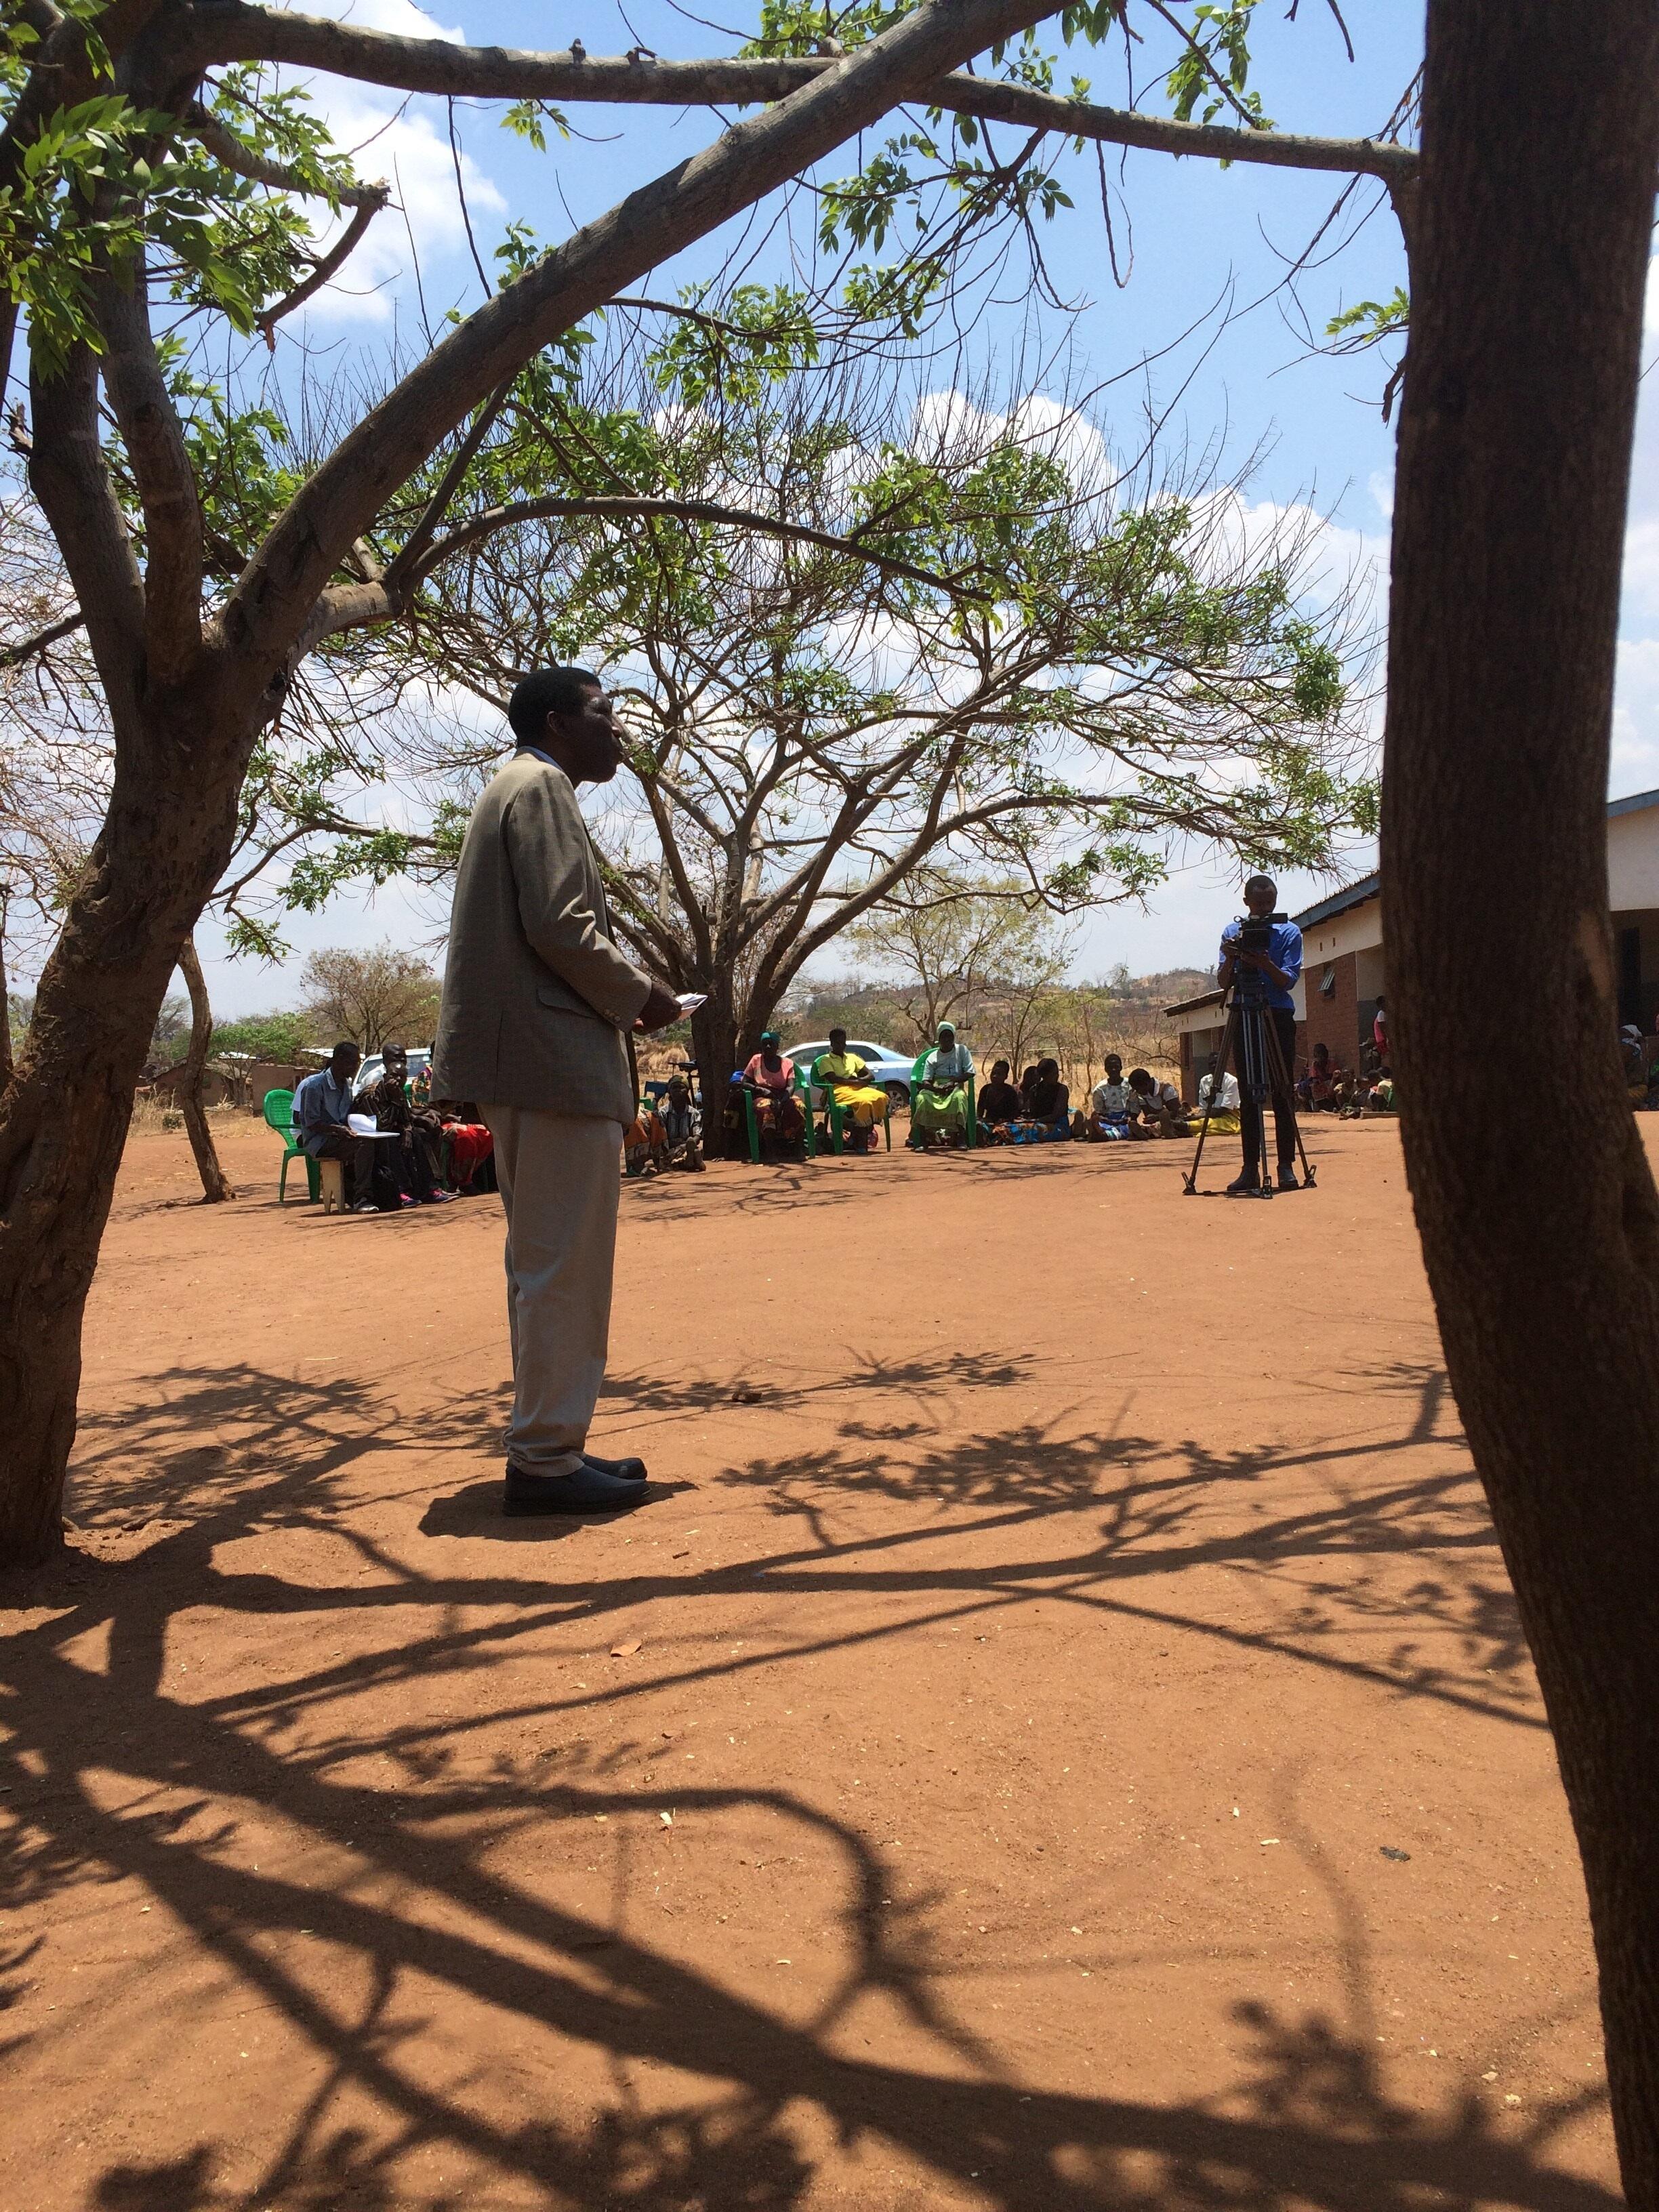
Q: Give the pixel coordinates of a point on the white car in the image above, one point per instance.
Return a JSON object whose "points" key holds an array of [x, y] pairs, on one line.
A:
{"points": [[887, 1067]]}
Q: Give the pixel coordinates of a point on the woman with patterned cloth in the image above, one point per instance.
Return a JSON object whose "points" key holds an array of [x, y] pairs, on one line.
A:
{"points": [[770, 1076]]}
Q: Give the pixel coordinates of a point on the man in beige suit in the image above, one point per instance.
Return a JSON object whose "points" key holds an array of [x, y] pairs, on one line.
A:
{"points": [[537, 1000]]}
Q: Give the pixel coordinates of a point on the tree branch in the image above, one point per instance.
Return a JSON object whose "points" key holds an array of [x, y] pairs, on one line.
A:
{"points": [[14, 656], [155, 439], [230, 154], [677, 510], [337, 255], [415, 545], [272, 599], [68, 476], [251, 33]]}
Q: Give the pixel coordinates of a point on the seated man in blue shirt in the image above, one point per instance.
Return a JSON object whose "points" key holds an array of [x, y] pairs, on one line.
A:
{"points": [[1279, 966], [321, 1105]]}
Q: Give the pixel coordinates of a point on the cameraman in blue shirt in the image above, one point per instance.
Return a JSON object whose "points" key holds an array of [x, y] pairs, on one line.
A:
{"points": [[1279, 966]]}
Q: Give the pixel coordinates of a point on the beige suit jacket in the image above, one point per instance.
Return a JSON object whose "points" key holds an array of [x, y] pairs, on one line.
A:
{"points": [[537, 996]]}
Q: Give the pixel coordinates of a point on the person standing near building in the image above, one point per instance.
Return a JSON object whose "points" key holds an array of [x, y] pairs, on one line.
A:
{"points": [[537, 999], [1279, 967]]}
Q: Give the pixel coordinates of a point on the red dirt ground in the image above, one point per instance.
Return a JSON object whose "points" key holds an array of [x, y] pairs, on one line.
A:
{"points": [[1058, 1738]]}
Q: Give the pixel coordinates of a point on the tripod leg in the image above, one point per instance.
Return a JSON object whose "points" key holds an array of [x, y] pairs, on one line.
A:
{"points": [[1217, 1069], [1282, 1076], [1255, 1085]]}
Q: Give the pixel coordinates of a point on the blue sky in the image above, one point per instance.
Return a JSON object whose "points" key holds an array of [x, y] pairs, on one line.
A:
{"points": [[1205, 241]]}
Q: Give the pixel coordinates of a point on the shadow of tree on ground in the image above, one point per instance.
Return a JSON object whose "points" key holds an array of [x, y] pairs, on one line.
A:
{"points": [[114, 1775]]}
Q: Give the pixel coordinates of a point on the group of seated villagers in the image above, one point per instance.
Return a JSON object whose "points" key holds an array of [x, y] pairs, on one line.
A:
{"points": [[1039, 1108], [663, 1134], [1327, 1087], [442, 1144]]}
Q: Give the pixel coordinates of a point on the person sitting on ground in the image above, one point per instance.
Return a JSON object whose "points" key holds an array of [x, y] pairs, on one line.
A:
{"points": [[1225, 1095], [645, 1142], [846, 1079], [1157, 1107], [1111, 1106], [1325, 1083], [323, 1106], [939, 1103], [678, 1118], [411, 1160], [471, 1147], [1379, 1099], [770, 1079], [999, 1104], [1633, 1052], [1048, 1103]]}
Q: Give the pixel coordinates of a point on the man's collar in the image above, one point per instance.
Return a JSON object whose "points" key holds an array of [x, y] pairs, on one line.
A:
{"points": [[535, 753]]}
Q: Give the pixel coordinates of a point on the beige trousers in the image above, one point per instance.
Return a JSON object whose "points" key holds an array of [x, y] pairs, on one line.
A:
{"points": [[560, 1174]]}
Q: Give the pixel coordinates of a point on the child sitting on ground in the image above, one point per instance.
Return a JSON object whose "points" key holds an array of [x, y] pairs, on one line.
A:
{"points": [[1111, 1105]]}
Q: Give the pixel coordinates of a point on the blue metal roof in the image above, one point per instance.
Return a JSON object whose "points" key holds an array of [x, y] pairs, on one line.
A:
{"points": [[1634, 804], [1339, 902]]}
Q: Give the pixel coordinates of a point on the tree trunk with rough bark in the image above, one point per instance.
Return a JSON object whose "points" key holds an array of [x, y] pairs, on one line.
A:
{"points": [[1541, 138], [5, 995], [215, 1188], [165, 839], [714, 1048]]}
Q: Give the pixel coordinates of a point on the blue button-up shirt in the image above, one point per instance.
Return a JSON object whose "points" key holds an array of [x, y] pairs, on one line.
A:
{"points": [[1285, 951], [320, 1104]]}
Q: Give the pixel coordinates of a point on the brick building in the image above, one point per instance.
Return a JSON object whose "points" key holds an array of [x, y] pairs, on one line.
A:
{"points": [[1343, 970]]}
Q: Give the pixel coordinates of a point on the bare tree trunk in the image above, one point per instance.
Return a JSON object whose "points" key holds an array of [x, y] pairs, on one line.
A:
{"points": [[165, 839], [714, 1048], [5, 995], [215, 1188], [1540, 136]]}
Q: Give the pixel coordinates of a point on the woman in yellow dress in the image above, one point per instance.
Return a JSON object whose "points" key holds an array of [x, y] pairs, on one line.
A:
{"points": [[846, 1080]]}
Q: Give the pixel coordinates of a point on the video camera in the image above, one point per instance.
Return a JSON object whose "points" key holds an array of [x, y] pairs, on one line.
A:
{"points": [[1255, 935]]}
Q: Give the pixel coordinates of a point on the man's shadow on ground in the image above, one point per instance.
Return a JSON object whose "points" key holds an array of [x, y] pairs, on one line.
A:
{"points": [[477, 1511]]}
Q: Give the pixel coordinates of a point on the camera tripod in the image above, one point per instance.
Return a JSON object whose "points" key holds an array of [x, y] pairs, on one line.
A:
{"points": [[1261, 1071]]}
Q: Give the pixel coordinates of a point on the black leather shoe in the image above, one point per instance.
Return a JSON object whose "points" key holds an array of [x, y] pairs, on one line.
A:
{"points": [[630, 1470], [586, 1490], [1246, 1186], [1287, 1179]]}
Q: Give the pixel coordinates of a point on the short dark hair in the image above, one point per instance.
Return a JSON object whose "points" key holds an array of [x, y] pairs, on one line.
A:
{"points": [[344, 1045], [1268, 880], [546, 691], [1139, 1075]]}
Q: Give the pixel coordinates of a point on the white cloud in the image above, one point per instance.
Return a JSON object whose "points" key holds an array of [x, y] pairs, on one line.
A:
{"points": [[406, 143], [1641, 578], [400, 17], [1635, 763]]}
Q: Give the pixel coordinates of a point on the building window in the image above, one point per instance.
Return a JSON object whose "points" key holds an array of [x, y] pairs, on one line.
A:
{"points": [[1327, 980]]}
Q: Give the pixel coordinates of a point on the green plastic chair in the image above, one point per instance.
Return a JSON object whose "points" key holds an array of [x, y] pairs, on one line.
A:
{"points": [[834, 1116], [916, 1068], [279, 1116]]}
